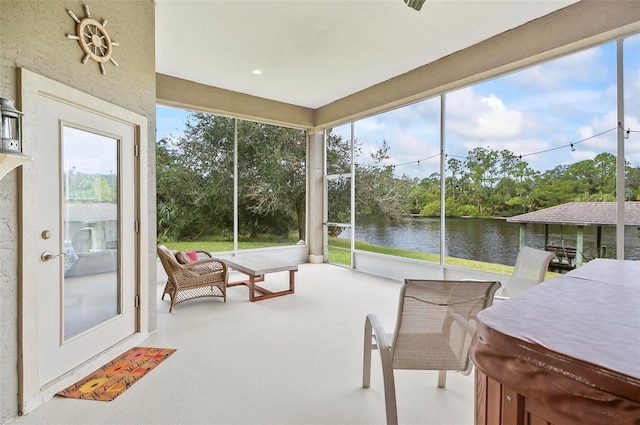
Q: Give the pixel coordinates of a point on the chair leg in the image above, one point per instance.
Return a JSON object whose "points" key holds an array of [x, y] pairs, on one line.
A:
{"points": [[166, 291], [442, 378], [383, 347], [172, 296], [389, 390], [366, 362]]}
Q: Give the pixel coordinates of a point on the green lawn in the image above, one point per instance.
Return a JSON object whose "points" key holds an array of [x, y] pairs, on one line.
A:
{"points": [[339, 251], [221, 244]]}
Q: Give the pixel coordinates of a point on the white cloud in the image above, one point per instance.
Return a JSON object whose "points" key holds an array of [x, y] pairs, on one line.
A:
{"points": [[497, 121], [482, 117], [587, 65], [412, 132], [608, 142]]}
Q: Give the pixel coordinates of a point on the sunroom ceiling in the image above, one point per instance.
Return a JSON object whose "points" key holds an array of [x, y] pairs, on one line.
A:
{"points": [[312, 53]]}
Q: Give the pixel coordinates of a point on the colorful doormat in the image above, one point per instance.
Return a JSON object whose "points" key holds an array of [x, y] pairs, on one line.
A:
{"points": [[115, 377]]}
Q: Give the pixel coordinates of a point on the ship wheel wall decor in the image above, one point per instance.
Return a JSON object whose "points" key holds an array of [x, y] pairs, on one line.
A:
{"points": [[93, 39]]}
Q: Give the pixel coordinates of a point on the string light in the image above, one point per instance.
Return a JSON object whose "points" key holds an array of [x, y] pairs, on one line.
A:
{"points": [[626, 133], [417, 161], [462, 157], [571, 145]]}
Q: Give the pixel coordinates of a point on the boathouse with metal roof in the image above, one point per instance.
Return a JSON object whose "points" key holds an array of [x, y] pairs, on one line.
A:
{"points": [[579, 214]]}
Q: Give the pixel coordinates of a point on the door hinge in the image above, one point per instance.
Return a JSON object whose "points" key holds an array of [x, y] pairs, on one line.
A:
{"points": [[137, 301], [136, 226], [136, 150]]}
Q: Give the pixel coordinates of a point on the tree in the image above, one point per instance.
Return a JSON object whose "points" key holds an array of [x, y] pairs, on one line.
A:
{"points": [[483, 169], [604, 165], [90, 187], [527, 187], [378, 191], [338, 152], [272, 172], [422, 192], [632, 179], [455, 167], [338, 159], [195, 179], [179, 195]]}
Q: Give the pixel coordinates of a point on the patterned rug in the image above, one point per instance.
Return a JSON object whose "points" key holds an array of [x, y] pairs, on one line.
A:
{"points": [[115, 377]]}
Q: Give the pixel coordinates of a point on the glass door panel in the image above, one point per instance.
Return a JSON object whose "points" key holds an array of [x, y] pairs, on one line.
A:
{"points": [[91, 284]]}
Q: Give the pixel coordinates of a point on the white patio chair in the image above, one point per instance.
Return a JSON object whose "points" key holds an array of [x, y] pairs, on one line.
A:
{"points": [[435, 325], [530, 269]]}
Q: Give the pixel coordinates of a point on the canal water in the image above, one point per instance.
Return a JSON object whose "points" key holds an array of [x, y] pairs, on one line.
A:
{"points": [[488, 240]]}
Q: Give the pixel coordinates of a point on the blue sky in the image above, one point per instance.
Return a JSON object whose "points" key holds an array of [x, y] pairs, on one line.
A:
{"points": [[169, 121], [88, 152], [543, 108]]}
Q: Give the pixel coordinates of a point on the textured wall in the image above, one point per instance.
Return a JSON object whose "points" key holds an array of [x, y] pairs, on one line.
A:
{"points": [[8, 299], [33, 36]]}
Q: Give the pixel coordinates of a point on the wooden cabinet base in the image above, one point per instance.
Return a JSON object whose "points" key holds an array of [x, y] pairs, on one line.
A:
{"points": [[564, 352], [499, 405]]}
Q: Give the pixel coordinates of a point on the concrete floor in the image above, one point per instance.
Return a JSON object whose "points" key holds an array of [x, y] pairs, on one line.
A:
{"points": [[295, 359]]}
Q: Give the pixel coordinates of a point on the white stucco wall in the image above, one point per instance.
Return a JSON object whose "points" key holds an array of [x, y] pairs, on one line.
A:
{"points": [[8, 299], [33, 36]]}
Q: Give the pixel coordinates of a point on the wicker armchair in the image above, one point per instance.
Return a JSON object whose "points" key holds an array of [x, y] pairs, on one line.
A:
{"points": [[205, 277]]}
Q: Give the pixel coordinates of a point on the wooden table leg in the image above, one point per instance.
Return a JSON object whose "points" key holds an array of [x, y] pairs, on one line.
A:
{"points": [[264, 293], [252, 287], [292, 280]]}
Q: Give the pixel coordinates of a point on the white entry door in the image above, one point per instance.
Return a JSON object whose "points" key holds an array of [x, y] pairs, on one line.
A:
{"points": [[85, 234]]}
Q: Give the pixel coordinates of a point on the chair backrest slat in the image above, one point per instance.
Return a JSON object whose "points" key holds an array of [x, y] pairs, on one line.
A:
{"points": [[436, 322], [530, 269]]}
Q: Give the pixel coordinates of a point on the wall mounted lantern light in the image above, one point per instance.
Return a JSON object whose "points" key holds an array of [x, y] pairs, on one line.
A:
{"points": [[11, 127]]}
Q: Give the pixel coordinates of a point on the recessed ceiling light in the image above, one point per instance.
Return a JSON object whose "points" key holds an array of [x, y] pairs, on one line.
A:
{"points": [[256, 72]]}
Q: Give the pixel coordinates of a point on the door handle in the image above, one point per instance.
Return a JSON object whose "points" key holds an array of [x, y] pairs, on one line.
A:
{"points": [[47, 256]]}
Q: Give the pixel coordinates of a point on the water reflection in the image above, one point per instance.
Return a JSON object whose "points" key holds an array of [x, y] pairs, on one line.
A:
{"points": [[489, 240]]}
